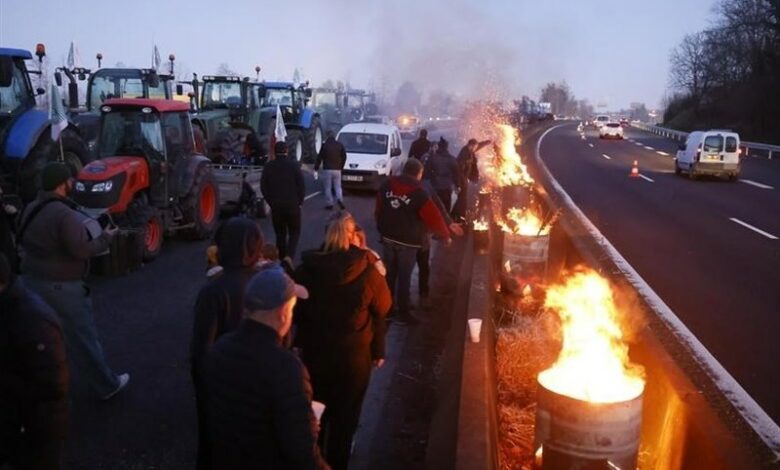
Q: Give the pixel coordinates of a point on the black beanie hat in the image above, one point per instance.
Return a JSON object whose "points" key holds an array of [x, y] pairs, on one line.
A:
{"points": [[53, 175]]}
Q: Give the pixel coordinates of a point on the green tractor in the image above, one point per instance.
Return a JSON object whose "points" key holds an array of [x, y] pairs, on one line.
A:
{"points": [[237, 118]]}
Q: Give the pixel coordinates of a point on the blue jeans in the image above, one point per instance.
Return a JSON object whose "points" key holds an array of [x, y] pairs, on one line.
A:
{"points": [[73, 305], [331, 182], [399, 260]]}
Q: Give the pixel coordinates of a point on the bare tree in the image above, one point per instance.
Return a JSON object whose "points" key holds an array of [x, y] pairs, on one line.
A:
{"points": [[689, 65], [225, 70]]}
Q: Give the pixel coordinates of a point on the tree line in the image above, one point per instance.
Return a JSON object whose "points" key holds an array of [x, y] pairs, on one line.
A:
{"points": [[728, 75]]}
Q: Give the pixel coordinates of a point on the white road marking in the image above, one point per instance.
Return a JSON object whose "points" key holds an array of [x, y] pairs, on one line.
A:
{"points": [[311, 195], [647, 147], [583, 137], [590, 145], [606, 156], [662, 153], [755, 229], [646, 178], [757, 184], [638, 144]]}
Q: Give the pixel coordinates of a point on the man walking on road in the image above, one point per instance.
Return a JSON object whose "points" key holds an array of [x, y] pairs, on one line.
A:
{"points": [[332, 157], [469, 173], [259, 393], [404, 212], [57, 248], [442, 171], [282, 187], [420, 146], [34, 378]]}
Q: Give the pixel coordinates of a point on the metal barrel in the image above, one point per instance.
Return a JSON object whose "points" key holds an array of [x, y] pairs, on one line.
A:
{"points": [[524, 249], [576, 434]]}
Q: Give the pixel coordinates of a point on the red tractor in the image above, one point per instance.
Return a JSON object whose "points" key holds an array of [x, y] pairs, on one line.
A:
{"points": [[147, 175]]}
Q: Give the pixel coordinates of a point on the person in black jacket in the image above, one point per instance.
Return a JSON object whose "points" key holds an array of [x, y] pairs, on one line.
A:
{"points": [[420, 146], [282, 187], [7, 243], [220, 308], [341, 331], [33, 378], [259, 395], [441, 169], [332, 158], [469, 172]]}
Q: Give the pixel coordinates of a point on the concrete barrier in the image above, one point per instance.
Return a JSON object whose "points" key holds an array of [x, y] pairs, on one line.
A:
{"points": [[695, 415]]}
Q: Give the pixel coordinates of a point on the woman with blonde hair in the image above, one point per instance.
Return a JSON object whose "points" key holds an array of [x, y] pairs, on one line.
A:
{"points": [[341, 331]]}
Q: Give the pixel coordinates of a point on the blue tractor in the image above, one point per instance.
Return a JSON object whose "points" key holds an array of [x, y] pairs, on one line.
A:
{"points": [[25, 137]]}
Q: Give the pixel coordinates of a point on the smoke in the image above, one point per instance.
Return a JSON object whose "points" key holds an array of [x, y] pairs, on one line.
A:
{"points": [[446, 45]]}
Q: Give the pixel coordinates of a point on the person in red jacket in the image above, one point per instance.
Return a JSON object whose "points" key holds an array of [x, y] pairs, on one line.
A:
{"points": [[404, 214]]}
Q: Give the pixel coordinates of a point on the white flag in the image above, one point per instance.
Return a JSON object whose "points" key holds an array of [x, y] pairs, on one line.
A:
{"points": [[280, 132], [71, 63], [156, 60], [57, 115]]}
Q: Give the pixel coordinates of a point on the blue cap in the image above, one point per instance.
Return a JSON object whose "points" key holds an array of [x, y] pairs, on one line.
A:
{"points": [[270, 288]]}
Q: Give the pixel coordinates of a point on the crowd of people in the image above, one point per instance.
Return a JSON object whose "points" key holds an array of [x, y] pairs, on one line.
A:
{"points": [[269, 339]]}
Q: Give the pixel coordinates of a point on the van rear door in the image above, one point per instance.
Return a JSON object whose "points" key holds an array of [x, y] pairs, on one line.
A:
{"points": [[712, 148], [731, 149]]}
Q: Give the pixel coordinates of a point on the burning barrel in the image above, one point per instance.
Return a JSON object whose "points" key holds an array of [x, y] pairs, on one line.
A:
{"points": [[589, 402], [573, 434]]}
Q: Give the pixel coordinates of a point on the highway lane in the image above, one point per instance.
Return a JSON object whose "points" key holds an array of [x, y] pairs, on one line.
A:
{"points": [[719, 276]]}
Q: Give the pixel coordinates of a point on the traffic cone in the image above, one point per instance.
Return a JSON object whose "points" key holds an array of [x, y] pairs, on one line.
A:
{"points": [[634, 170]]}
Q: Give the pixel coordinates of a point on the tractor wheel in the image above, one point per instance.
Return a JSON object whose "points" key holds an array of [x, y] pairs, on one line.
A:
{"points": [[147, 220], [75, 155], [201, 206], [295, 146], [313, 137]]}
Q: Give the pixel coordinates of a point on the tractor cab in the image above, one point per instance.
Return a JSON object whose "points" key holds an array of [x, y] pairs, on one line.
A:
{"points": [[147, 173], [16, 91], [291, 100]]}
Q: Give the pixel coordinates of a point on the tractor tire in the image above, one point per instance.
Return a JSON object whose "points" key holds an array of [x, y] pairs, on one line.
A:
{"points": [[45, 151], [313, 138], [295, 146], [201, 206], [147, 220]]}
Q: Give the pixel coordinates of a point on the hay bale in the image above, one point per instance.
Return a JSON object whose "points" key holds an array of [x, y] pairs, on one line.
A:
{"points": [[522, 351]]}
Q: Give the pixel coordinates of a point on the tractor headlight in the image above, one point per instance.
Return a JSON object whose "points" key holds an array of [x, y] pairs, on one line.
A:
{"points": [[103, 187], [380, 164], [79, 186]]}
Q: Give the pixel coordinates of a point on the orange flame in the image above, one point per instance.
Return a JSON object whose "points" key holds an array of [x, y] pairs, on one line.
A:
{"points": [[480, 225], [523, 222], [511, 170], [593, 364]]}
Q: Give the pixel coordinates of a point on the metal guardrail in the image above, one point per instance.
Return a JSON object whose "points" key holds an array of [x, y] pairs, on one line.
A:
{"points": [[681, 136]]}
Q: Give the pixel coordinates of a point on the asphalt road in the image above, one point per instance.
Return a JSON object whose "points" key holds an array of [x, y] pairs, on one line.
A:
{"points": [[709, 247], [145, 321]]}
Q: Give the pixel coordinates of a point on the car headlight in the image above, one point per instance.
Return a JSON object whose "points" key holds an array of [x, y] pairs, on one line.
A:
{"points": [[79, 186], [103, 187], [380, 164]]}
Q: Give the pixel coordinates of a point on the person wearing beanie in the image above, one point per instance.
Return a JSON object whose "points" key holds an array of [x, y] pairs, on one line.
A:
{"points": [[420, 146], [283, 189], [219, 309], [56, 249], [34, 378]]}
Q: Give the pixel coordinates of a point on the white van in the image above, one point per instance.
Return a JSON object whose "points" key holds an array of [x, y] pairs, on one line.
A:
{"points": [[601, 120], [713, 152], [372, 151]]}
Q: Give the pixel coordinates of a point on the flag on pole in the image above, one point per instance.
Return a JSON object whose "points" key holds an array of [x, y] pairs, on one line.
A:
{"points": [[71, 63], [57, 115], [280, 132], [156, 60]]}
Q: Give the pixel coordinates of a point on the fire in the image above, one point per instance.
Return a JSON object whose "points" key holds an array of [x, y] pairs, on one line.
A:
{"points": [[480, 225], [593, 364], [511, 171], [523, 222]]}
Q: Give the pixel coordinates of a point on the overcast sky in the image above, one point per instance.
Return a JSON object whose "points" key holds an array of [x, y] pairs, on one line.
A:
{"points": [[610, 51]]}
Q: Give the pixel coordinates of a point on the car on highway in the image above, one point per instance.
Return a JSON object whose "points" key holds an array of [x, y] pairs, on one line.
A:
{"points": [[600, 120], [714, 152], [408, 125], [624, 122], [611, 130], [373, 150]]}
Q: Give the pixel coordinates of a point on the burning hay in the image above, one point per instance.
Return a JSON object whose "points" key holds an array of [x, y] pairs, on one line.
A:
{"points": [[522, 351], [524, 222]]}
